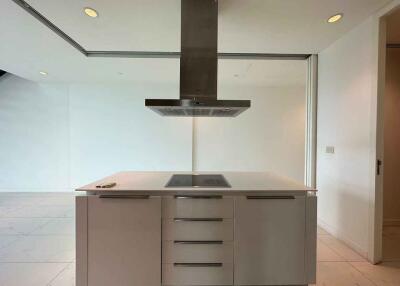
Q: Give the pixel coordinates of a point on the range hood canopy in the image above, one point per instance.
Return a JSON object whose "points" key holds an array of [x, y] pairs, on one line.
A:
{"points": [[198, 67]]}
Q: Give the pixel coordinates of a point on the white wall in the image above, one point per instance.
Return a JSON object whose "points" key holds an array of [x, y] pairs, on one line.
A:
{"points": [[56, 137], [270, 136], [111, 130], [347, 121], [34, 131]]}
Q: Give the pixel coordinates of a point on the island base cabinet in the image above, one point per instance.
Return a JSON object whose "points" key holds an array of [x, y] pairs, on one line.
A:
{"points": [[124, 241], [269, 247]]}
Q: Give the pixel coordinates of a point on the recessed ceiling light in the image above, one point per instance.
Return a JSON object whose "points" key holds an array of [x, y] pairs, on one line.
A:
{"points": [[43, 73], [335, 18], [91, 12]]}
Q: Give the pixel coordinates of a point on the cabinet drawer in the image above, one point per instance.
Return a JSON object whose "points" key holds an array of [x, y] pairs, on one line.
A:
{"points": [[197, 275], [197, 207], [197, 251], [197, 230]]}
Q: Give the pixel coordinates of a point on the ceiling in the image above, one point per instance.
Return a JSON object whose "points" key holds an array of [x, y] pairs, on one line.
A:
{"points": [[262, 26]]}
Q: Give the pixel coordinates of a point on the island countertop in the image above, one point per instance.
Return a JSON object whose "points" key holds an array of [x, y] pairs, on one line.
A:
{"points": [[154, 183]]}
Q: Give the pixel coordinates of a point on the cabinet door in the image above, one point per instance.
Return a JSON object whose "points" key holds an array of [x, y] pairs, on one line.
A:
{"points": [[124, 241], [269, 241]]}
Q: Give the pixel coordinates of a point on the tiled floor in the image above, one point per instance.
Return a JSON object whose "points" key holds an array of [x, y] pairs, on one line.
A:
{"points": [[37, 240], [37, 247]]}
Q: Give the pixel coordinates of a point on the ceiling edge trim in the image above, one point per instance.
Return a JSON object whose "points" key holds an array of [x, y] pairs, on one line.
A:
{"points": [[50, 25], [171, 55]]}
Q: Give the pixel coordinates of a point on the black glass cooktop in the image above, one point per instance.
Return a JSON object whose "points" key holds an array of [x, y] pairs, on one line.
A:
{"points": [[198, 181]]}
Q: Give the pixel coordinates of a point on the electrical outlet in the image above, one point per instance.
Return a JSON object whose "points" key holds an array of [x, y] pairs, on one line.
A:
{"points": [[330, 150]]}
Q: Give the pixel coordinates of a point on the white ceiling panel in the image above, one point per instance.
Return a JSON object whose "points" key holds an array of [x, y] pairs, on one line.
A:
{"points": [[122, 25], [28, 47], [287, 26], [263, 26], [269, 26]]}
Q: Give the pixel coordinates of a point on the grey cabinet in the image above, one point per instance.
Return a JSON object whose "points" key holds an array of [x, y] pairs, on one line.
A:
{"points": [[124, 236], [149, 241], [269, 246]]}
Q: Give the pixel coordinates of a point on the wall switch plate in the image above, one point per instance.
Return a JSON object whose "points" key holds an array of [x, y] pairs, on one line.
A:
{"points": [[330, 150]]}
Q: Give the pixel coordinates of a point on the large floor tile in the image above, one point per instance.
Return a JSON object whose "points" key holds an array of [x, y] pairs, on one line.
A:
{"points": [[340, 274], [342, 249], [40, 249], [26, 199], [385, 274], [325, 253], [66, 277], [5, 210], [6, 240], [59, 200], [57, 226], [29, 274], [42, 211], [18, 226]]}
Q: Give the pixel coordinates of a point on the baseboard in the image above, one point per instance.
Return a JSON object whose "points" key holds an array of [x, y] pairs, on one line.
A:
{"points": [[391, 222], [342, 237]]}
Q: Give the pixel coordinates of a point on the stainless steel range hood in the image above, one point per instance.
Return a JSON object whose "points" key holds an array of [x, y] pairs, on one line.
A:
{"points": [[198, 67]]}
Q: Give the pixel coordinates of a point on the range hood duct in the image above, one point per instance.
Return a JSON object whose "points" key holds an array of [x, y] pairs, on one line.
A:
{"points": [[198, 67]]}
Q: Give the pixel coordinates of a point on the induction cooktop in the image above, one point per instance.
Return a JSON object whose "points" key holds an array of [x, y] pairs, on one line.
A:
{"points": [[198, 181]]}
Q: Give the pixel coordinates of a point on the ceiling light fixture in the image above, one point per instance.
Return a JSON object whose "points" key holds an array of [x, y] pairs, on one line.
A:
{"points": [[335, 18], [43, 73], [91, 12]]}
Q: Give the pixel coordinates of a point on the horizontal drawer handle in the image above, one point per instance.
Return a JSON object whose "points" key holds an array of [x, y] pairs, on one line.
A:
{"points": [[198, 242], [197, 219], [198, 264], [271, 197], [132, 197], [197, 197]]}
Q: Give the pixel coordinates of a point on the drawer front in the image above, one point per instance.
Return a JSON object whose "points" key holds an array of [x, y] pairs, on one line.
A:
{"points": [[197, 207], [199, 252], [197, 275], [197, 230]]}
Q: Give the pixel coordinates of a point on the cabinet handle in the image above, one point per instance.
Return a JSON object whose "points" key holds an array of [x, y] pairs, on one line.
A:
{"points": [[198, 264], [198, 242], [271, 197], [197, 197], [132, 197], [197, 219]]}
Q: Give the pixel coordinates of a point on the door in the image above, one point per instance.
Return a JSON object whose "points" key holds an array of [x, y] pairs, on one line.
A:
{"points": [[269, 240], [124, 241]]}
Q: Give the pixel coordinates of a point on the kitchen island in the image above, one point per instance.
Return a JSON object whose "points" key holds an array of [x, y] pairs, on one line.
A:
{"points": [[152, 229]]}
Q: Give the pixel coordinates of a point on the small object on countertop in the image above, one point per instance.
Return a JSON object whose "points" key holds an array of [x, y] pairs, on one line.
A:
{"points": [[106, 186]]}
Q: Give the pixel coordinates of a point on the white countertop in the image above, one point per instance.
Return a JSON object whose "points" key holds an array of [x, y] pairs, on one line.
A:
{"points": [[153, 183]]}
